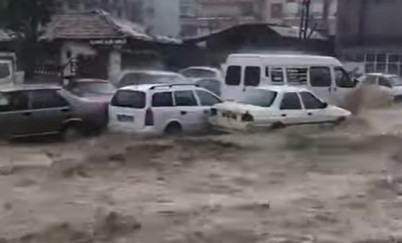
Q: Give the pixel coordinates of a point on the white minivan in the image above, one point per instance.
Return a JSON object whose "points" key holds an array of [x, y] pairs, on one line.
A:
{"points": [[161, 108], [325, 76]]}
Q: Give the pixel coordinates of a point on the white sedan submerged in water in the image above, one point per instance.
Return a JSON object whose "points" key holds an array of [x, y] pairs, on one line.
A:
{"points": [[273, 107]]}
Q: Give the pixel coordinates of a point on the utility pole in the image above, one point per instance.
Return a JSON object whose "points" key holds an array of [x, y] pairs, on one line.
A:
{"points": [[304, 19], [325, 15]]}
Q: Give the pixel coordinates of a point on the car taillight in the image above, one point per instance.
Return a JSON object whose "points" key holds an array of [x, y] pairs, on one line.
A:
{"points": [[247, 118], [149, 117], [214, 112]]}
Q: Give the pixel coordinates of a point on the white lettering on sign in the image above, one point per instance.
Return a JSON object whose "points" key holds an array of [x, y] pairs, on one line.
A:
{"points": [[108, 42]]}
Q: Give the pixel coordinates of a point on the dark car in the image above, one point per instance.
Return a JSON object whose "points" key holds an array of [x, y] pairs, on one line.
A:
{"points": [[44, 110], [94, 89], [138, 77]]}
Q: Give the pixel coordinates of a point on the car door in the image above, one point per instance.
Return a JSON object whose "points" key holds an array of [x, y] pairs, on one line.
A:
{"points": [[14, 114], [233, 88], [190, 113], [321, 82], [206, 100], [344, 86], [291, 109], [315, 108], [163, 109], [48, 111]]}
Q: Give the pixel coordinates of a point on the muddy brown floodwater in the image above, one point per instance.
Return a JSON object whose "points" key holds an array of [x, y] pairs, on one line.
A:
{"points": [[300, 184]]}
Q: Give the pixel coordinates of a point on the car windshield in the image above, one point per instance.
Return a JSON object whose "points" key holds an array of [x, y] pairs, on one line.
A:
{"points": [[263, 98], [93, 88], [396, 81], [199, 73], [4, 70], [149, 78]]}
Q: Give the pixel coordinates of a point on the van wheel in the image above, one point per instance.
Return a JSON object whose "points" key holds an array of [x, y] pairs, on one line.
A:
{"points": [[173, 128], [71, 132], [277, 125]]}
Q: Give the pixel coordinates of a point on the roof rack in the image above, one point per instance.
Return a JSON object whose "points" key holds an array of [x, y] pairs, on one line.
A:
{"points": [[171, 85]]}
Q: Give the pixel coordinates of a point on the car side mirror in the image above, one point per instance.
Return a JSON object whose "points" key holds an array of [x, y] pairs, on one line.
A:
{"points": [[324, 105]]}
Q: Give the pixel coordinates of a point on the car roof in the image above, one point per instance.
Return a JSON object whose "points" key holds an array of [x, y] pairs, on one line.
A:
{"points": [[15, 88], [151, 72], [201, 68], [284, 88], [89, 80], [283, 59], [382, 74], [146, 87]]}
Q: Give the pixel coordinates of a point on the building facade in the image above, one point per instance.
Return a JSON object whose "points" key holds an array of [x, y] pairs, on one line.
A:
{"points": [[118, 8], [322, 14], [220, 14], [368, 32], [161, 17], [189, 11]]}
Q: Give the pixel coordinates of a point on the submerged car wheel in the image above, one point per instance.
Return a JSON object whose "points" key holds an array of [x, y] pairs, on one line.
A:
{"points": [[72, 132], [173, 128], [277, 125], [339, 120]]}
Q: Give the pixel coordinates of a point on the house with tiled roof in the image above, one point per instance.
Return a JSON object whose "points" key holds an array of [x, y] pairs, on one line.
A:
{"points": [[97, 45]]}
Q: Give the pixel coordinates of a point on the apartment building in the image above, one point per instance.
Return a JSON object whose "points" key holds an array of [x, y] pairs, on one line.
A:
{"points": [[369, 33]]}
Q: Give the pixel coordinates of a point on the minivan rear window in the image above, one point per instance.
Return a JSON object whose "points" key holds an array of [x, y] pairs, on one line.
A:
{"points": [[129, 99]]}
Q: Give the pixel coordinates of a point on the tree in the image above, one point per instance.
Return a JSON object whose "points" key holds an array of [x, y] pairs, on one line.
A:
{"points": [[26, 18]]}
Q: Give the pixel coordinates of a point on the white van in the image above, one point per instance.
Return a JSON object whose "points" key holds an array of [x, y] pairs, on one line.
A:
{"points": [[325, 76]]}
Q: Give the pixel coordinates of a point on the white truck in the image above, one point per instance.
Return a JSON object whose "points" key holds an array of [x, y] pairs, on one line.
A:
{"points": [[8, 69]]}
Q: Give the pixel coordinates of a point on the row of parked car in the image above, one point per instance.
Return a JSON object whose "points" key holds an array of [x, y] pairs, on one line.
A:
{"points": [[81, 106], [197, 98]]}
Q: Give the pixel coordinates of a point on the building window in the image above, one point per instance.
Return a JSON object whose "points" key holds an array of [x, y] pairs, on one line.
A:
{"points": [[276, 10], [383, 62]]}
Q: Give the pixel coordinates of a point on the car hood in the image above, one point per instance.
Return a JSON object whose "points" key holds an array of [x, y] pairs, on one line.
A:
{"points": [[397, 90]]}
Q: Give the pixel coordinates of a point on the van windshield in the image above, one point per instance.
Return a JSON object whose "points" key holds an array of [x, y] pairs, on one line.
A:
{"points": [[129, 99], [4, 70], [263, 98]]}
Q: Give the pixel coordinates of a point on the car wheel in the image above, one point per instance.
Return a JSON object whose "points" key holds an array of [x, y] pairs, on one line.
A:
{"points": [[173, 129], [277, 125], [71, 132], [339, 120]]}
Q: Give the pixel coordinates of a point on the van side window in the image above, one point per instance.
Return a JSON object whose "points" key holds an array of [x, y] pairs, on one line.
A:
{"points": [[342, 78], [320, 77], [233, 75], [163, 99], [277, 76], [252, 76], [296, 75]]}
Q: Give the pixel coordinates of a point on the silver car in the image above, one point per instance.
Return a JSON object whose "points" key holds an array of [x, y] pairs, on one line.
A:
{"points": [[43, 110]]}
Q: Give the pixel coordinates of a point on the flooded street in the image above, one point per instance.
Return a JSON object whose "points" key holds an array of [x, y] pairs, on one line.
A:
{"points": [[300, 184]]}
